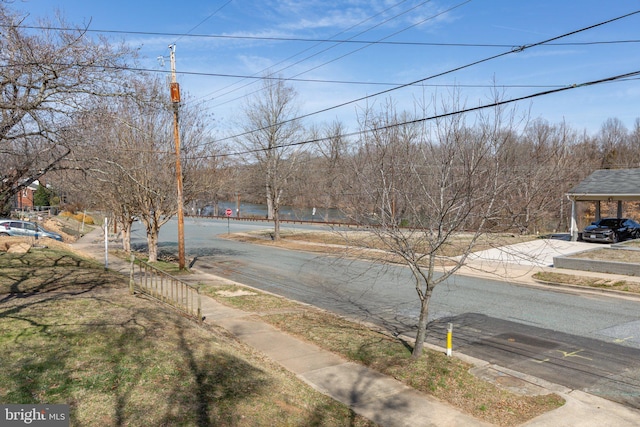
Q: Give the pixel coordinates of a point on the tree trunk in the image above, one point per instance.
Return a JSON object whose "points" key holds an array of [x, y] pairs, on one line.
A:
{"points": [[421, 335], [152, 243], [126, 237], [269, 202], [276, 225]]}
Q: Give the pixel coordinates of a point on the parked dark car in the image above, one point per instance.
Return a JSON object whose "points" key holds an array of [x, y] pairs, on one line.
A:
{"points": [[611, 230], [13, 227]]}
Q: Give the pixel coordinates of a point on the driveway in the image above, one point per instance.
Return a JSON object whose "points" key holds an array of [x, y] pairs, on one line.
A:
{"points": [[539, 252]]}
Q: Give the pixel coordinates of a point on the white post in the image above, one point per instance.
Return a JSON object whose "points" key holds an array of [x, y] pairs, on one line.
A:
{"points": [[106, 243], [574, 221]]}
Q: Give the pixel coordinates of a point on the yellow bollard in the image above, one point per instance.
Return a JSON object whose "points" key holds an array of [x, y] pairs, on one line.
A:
{"points": [[449, 336]]}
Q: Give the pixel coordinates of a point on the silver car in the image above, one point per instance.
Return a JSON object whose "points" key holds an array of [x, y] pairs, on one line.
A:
{"points": [[13, 227]]}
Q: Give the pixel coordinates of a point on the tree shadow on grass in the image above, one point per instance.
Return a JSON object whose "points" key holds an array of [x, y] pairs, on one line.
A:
{"points": [[140, 369], [51, 273], [219, 382], [77, 337]]}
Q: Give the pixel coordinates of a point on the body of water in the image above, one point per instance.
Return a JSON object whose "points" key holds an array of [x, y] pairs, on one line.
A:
{"points": [[253, 210]]}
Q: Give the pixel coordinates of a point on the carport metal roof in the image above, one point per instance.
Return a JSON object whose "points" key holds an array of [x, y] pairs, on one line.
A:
{"points": [[608, 184], [620, 185]]}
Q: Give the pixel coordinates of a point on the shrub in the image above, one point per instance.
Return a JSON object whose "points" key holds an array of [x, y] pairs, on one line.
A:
{"points": [[88, 219], [79, 216]]}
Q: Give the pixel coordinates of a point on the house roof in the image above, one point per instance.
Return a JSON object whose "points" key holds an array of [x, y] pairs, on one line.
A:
{"points": [[608, 184]]}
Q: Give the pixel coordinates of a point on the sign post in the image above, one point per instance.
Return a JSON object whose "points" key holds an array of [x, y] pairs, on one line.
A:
{"points": [[106, 243], [228, 213]]}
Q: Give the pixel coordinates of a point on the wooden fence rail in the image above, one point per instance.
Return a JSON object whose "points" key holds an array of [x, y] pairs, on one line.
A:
{"points": [[157, 284]]}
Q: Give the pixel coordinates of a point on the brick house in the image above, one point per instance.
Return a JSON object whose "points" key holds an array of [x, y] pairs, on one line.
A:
{"points": [[24, 198]]}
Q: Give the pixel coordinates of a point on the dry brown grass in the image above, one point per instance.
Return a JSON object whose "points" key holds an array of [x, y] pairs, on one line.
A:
{"points": [[592, 282], [44, 243], [445, 378], [609, 254], [71, 333], [368, 238], [365, 245]]}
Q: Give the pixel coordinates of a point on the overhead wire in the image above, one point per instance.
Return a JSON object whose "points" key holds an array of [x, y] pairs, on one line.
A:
{"points": [[347, 82], [443, 73], [512, 50], [308, 40], [215, 12], [330, 47], [634, 75], [445, 115], [358, 49]]}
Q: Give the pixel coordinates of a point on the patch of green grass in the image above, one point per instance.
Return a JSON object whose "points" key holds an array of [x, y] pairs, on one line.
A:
{"points": [[247, 299]]}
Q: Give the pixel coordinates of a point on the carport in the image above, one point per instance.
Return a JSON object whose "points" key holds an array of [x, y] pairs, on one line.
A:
{"points": [[609, 185]]}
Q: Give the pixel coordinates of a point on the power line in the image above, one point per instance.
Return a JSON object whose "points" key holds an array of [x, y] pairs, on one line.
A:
{"points": [[332, 40], [450, 71], [187, 34], [360, 48], [634, 75], [316, 44], [512, 50], [311, 40], [444, 115], [346, 82]]}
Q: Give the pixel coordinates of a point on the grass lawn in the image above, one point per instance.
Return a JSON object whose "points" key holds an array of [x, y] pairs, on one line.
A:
{"points": [[70, 333]]}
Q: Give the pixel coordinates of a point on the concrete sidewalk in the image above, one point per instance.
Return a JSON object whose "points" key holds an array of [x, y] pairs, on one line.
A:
{"points": [[370, 394]]}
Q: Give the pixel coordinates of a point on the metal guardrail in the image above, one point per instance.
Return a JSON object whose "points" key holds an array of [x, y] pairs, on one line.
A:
{"points": [[168, 289], [283, 221]]}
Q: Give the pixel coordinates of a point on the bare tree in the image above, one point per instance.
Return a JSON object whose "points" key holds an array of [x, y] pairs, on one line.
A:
{"points": [[333, 148], [420, 186], [44, 78], [612, 140], [634, 145], [131, 158], [270, 133], [537, 163]]}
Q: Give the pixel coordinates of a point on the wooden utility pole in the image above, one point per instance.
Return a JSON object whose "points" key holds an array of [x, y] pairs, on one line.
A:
{"points": [[175, 99]]}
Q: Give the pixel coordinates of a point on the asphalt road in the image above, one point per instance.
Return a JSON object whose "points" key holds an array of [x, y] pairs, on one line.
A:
{"points": [[584, 342]]}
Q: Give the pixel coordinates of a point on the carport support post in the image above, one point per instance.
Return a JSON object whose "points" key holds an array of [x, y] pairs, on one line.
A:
{"points": [[619, 208], [449, 338], [574, 221]]}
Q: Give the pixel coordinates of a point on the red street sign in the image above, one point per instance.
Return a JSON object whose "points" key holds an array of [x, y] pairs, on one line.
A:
{"points": [[228, 212]]}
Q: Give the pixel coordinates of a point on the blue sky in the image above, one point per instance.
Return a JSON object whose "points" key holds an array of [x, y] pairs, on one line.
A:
{"points": [[503, 23]]}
